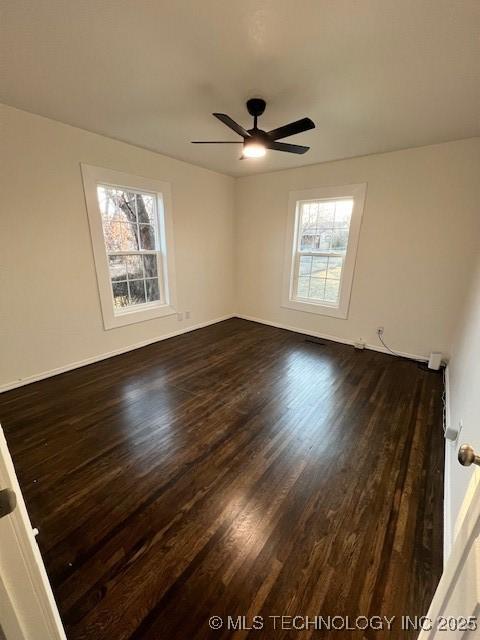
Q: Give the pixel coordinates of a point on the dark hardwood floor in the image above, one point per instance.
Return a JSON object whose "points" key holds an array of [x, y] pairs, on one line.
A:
{"points": [[235, 470]]}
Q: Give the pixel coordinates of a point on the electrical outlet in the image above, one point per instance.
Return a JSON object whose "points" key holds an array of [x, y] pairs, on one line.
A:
{"points": [[187, 315], [451, 433], [179, 315], [380, 331]]}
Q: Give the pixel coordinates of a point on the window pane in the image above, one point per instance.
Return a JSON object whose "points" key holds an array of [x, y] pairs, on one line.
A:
{"points": [[150, 265], [147, 236], [308, 225], [125, 202], [324, 240], [319, 267], [340, 240], [325, 215], [137, 291], [305, 265], [306, 242], [120, 236], [118, 268], [120, 294], [106, 204], [146, 208], [308, 218], [302, 286], [343, 213], [134, 267], [315, 241], [332, 288], [116, 204], [317, 288], [335, 268], [153, 292]]}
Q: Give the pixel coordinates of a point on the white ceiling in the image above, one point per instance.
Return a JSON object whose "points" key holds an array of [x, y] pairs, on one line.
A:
{"points": [[374, 75]]}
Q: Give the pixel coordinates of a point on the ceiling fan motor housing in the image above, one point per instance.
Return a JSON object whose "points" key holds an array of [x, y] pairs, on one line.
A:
{"points": [[256, 106]]}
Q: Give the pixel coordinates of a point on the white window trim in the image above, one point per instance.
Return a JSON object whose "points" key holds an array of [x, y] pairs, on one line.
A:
{"points": [[92, 177], [355, 191]]}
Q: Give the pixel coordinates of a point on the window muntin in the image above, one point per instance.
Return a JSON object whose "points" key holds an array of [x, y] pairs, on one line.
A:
{"points": [[131, 231], [321, 242]]}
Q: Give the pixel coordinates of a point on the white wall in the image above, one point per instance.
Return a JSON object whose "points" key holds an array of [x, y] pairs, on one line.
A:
{"points": [[464, 398], [50, 306], [417, 242]]}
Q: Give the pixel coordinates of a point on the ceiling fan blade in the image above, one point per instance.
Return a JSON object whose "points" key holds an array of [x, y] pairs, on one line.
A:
{"points": [[291, 129], [289, 148], [232, 124], [217, 142]]}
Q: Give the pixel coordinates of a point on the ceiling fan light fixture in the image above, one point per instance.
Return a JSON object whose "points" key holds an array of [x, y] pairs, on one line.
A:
{"points": [[254, 150]]}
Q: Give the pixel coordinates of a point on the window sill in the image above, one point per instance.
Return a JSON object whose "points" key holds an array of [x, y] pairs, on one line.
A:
{"points": [[319, 309], [133, 316]]}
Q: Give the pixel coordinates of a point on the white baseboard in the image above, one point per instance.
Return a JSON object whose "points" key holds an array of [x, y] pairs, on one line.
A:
{"points": [[326, 336], [103, 356]]}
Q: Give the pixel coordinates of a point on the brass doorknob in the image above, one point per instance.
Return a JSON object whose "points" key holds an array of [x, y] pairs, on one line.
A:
{"points": [[467, 456]]}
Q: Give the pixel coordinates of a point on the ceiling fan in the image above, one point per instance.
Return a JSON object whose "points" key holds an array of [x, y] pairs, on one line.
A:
{"points": [[256, 141]]}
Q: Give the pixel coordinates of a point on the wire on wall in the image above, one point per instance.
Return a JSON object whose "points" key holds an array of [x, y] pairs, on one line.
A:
{"points": [[394, 353]]}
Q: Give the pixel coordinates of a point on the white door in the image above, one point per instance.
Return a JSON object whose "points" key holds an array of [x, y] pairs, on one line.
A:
{"points": [[27, 607], [455, 609]]}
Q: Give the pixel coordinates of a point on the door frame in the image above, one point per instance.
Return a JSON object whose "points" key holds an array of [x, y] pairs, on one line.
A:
{"points": [[28, 610]]}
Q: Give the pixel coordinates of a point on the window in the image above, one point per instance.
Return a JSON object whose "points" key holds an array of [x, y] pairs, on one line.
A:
{"points": [[324, 225], [130, 229], [133, 245]]}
